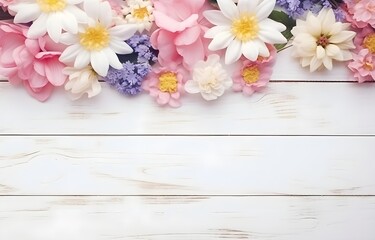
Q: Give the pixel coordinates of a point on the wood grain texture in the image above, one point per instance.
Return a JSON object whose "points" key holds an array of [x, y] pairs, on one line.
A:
{"points": [[187, 218], [282, 109], [187, 165]]}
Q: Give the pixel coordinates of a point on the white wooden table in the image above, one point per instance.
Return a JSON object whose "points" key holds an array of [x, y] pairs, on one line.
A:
{"points": [[294, 162]]}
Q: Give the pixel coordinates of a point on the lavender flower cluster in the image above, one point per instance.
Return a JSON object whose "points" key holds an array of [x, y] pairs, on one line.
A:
{"points": [[128, 79], [296, 8]]}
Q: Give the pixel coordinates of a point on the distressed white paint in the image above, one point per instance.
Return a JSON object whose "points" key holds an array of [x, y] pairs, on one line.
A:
{"points": [[187, 218], [282, 109], [187, 165]]}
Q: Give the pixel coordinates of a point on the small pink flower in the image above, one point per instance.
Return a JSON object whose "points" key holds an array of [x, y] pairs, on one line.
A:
{"points": [[363, 66], [180, 34], [252, 76], [364, 11], [365, 39], [30, 61], [165, 84]]}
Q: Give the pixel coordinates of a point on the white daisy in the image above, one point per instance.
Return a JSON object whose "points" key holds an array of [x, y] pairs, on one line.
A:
{"points": [[320, 39], [51, 16], [82, 81], [209, 78], [139, 12], [244, 29], [98, 41]]}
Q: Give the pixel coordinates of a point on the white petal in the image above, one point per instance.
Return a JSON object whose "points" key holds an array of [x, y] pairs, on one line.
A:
{"points": [[216, 17], [69, 23], [68, 38], [327, 62], [112, 58], [120, 47], [221, 40], [70, 53], [233, 52], [265, 8], [92, 8], [82, 59], [250, 50], [271, 36], [54, 26], [105, 14], [271, 24], [228, 8], [315, 64], [263, 50], [246, 6], [342, 36], [124, 31], [38, 28], [320, 52], [28, 13], [212, 32], [99, 63], [192, 87]]}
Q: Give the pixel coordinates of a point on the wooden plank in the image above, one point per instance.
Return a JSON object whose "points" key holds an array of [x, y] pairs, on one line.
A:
{"points": [[187, 165], [186, 218], [283, 109], [288, 68]]}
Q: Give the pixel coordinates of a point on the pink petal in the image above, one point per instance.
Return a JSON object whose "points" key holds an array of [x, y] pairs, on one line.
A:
{"points": [[188, 36], [54, 72], [41, 94]]}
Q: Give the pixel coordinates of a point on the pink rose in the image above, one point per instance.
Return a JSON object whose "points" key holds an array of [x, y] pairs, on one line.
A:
{"points": [[179, 37], [363, 66], [33, 63]]}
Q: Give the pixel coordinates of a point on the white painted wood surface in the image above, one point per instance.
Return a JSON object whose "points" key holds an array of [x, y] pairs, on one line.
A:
{"points": [[282, 109], [300, 166], [186, 218], [187, 165]]}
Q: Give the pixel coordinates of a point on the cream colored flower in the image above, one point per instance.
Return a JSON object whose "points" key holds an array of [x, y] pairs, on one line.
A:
{"points": [[82, 81], [138, 12], [320, 39], [243, 29], [209, 78]]}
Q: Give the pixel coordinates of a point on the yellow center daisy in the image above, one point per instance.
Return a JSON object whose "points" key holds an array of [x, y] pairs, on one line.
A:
{"points": [[94, 38], [140, 13], [48, 6], [168, 82], [250, 74], [369, 42], [245, 27]]}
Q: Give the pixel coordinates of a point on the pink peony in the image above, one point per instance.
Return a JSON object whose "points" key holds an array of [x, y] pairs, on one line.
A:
{"points": [[365, 39], [249, 77], [165, 84], [363, 66], [34, 63], [361, 12], [181, 26]]}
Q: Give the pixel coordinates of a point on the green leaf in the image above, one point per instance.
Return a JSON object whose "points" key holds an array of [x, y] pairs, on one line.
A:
{"points": [[285, 19]]}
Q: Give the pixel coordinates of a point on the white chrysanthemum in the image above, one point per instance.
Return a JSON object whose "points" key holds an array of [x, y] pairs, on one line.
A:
{"points": [[209, 78], [82, 81], [320, 39], [51, 16], [139, 12], [244, 29], [98, 41]]}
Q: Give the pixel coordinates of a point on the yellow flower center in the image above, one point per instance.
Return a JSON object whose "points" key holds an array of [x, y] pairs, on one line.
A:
{"points": [[140, 13], [48, 6], [368, 66], [245, 28], [369, 42], [250, 74], [168, 82], [94, 38]]}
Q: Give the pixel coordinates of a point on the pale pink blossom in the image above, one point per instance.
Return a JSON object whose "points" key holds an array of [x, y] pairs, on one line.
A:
{"points": [[180, 34], [252, 76], [361, 13], [165, 84], [31, 62], [363, 66]]}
